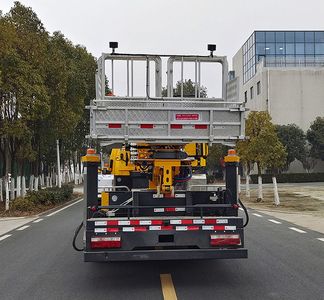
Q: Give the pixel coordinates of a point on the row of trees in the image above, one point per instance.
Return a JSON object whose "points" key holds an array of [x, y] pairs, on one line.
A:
{"points": [[275, 147], [45, 83]]}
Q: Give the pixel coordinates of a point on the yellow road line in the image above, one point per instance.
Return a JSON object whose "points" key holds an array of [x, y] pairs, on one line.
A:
{"points": [[168, 290]]}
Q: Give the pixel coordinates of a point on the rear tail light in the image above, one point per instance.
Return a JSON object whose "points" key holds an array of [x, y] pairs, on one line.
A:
{"points": [[106, 242], [225, 240]]}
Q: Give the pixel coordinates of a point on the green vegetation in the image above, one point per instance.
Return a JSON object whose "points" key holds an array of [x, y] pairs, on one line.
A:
{"points": [[48, 197], [45, 83]]}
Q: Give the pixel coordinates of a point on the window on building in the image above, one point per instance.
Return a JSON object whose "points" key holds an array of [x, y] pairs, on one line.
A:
{"points": [[258, 87], [245, 96], [251, 92]]}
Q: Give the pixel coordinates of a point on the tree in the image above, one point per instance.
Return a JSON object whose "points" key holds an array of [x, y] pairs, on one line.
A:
{"points": [[215, 154], [262, 147], [189, 90], [315, 136], [294, 139]]}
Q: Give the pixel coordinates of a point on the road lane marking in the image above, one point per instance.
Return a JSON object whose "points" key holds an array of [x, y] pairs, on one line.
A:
{"points": [[38, 220], [23, 228], [321, 239], [65, 207], [4, 237], [297, 230], [168, 287], [257, 215], [274, 221]]}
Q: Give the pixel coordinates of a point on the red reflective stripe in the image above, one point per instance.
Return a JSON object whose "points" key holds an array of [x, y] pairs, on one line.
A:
{"points": [[176, 126], [169, 209], [143, 228], [112, 229], [210, 221], [156, 222], [134, 222], [114, 125], [166, 227], [112, 222], [193, 228], [186, 222], [146, 125], [219, 227], [200, 126]]}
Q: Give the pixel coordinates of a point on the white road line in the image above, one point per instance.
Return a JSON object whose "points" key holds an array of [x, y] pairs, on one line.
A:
{"points": [[4, 237], [23, 228], [297, 230], [65, 207], [38, 220], [240, 208], [321, 239], [257, 215], [274, 221]]}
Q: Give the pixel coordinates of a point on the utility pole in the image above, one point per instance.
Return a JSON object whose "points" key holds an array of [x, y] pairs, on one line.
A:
{"points": [[58, 164]]}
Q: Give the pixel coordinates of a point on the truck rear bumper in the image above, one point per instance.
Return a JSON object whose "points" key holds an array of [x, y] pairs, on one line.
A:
{"points": [[183, 254]]}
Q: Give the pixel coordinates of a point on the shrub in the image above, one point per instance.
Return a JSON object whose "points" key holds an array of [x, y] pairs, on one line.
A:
{"points": [[22, 204], [290, 177], [49, 196]]}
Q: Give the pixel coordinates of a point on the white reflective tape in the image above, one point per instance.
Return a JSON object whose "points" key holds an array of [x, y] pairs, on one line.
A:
{"points": [[100, 223], [222, 221], [145, 222], [100, 230], [207, 227], [123, 223], [198, 221], [180, 209], [158, 210], [175, 222], [180, 195], [128, 229], [230, 227], [181, 228], [155, 228]]}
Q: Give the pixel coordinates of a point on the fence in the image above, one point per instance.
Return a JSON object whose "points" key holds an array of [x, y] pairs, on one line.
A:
{"points": [[12, 188]]}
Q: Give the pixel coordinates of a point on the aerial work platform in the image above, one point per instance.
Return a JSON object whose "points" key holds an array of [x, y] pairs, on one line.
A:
{"points": [[163, 120]]}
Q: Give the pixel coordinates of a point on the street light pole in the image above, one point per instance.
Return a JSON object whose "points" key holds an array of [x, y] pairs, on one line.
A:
{"points": [[58, 164]]}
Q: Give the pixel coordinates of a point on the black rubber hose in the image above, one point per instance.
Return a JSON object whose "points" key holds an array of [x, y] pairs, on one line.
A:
{"points": [[75, 237], [246, 213]]}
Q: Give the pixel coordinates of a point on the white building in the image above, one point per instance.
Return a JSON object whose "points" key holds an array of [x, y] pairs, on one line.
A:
{"points": [[282, 72]]}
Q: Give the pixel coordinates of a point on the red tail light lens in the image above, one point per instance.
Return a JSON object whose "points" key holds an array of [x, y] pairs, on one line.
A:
{"points": [[106, 242], [225, 240]]}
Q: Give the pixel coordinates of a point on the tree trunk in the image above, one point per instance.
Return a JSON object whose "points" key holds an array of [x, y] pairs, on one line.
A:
{"points": [[275, 191], [247, 185], [260, 191]]}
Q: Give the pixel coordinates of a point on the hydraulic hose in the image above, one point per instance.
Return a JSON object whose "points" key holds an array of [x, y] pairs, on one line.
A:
{"points": [[246, 213], [77, 231]]}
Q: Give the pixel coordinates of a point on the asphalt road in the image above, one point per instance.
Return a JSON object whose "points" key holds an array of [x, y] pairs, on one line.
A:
{"points": [[38, 262]]}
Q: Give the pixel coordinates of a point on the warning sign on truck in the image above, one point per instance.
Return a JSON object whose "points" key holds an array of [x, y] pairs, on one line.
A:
{"points": [[187, 117]]}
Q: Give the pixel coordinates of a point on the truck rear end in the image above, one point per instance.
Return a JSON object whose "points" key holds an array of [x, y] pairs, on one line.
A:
{"points": [[151, 212]]}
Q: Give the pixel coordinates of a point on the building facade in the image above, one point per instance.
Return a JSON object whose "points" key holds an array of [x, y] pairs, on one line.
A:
{"points": [[282, 72]]}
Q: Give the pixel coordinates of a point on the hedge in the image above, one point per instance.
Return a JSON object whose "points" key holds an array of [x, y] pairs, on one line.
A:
{"points": [[49, 196], [290, 177]]}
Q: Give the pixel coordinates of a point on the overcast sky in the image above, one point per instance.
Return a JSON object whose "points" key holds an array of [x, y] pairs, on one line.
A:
{"points": [[172, 26]]}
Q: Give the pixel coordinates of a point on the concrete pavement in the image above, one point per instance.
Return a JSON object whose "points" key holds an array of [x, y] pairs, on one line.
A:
{"points": [[285, 262]]}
